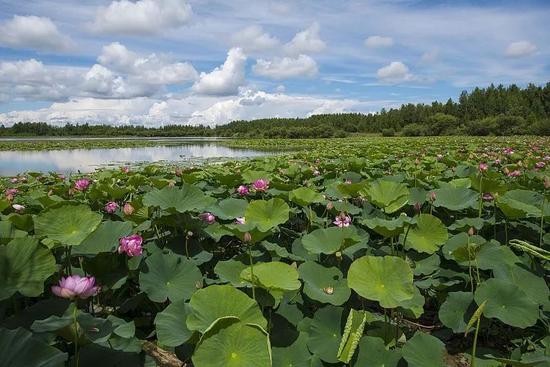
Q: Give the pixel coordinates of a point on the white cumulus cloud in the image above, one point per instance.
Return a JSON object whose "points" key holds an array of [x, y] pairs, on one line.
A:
{"points": [[225, 79], [254, 39], [38, 33], [378, 41], [520, 49], [143, 17], [395, 72], [286, 67], [306, 41]]}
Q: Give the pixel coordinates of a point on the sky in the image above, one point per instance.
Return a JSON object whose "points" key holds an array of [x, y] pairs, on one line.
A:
{"points": [[158, 62]]}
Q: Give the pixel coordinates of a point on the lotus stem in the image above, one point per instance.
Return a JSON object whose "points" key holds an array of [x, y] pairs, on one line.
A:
{"points": [[542, 218], [75, 324], [474, 347], [251, 271]]}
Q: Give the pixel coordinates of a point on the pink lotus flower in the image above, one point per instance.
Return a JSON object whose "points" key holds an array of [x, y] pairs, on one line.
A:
{"points": [[497, 161], [540, 165], [261, 185], [13, 180], [348, 181], [515, 173], [82, 184], [240, 220], [508, 151], [316, 173], [76, 286], [131, 245], [208, 218], [342, 220], [11, 192], [432, 196], [483, 167], [125, 169], [242, 190], [128, 209], [488, 196], [111, 207], [439, 157]]}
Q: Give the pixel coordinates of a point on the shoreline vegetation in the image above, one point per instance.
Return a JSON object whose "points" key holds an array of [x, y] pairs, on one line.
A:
{"points": [[495, 110]]}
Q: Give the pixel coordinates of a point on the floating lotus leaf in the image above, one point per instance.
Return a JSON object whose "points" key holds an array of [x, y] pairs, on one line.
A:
{"points": [[534, 286], [388, 195], [329, 240], [19, 347], [453, 312], [69, 225], [424, 350], [387, 279], [24, 266], [373, 353], [295, 355], [230, 208], [230, 271], [273, 275], [325, 333], [265, 215], [386, 227], [184, 199], [305, 196], [507, 302], [236, 345], [427, 235], [171, 324], [105, 238], [169, 276], [520, 204], [326, 285], [455, 198], [220, 301]]}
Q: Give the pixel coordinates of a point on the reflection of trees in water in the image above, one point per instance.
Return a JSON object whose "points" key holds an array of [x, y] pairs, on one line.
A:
{"points": [[12, 162]]}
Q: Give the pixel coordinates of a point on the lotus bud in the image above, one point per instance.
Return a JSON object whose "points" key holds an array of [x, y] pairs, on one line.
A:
{"points": [[128, 209], [330, 205], [432, 196], [247, 237], [471, 231], [417, 208], [189, 234]]}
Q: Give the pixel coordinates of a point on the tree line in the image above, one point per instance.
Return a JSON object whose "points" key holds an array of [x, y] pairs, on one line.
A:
{"points": [[495, 110]]}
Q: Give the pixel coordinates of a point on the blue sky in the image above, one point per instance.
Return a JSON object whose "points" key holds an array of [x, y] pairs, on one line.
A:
{"points": [[153, 62]]}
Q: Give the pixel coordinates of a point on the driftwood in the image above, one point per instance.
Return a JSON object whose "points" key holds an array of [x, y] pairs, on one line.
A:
{"points": [[162, 357]]}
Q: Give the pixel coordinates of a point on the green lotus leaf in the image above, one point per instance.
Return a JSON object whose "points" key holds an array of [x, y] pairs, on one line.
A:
{"points": [[424, 350], [305, 196], [230, 271], [69, 225], [184, 199], [265, 215], [388, 195], [453, 312], [169, 276], [534, 286], [455, 198], [295, 355], [414, 307], [520, 204], [220, 301], [507, 302], [105, 238], [386, 227], [427, 235], [24, 266], [353, 331], [273, 275], [326, 285], [230, 208], [325, 333], [387, 279], [373, 353], [329, 240], [236, 345], [19, 347], [171, 324]]}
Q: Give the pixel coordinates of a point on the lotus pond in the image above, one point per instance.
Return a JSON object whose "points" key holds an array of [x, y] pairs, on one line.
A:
{"points": [[350, 252]]}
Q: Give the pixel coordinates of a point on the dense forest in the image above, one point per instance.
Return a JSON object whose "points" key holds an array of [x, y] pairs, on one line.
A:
{"points": [[495, 110]]}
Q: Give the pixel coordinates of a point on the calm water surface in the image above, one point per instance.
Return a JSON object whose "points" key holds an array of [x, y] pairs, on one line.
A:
{"points": [[87, 160]]}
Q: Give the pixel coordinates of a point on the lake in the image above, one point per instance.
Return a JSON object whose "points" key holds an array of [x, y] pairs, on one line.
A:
{"points": [[86, 160]]}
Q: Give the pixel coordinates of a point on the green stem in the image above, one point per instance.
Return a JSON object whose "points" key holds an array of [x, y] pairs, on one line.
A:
{"points": [[186, 246], [75, 323], [542, 218], [480, 195], [473, 362], [251, 271]]}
